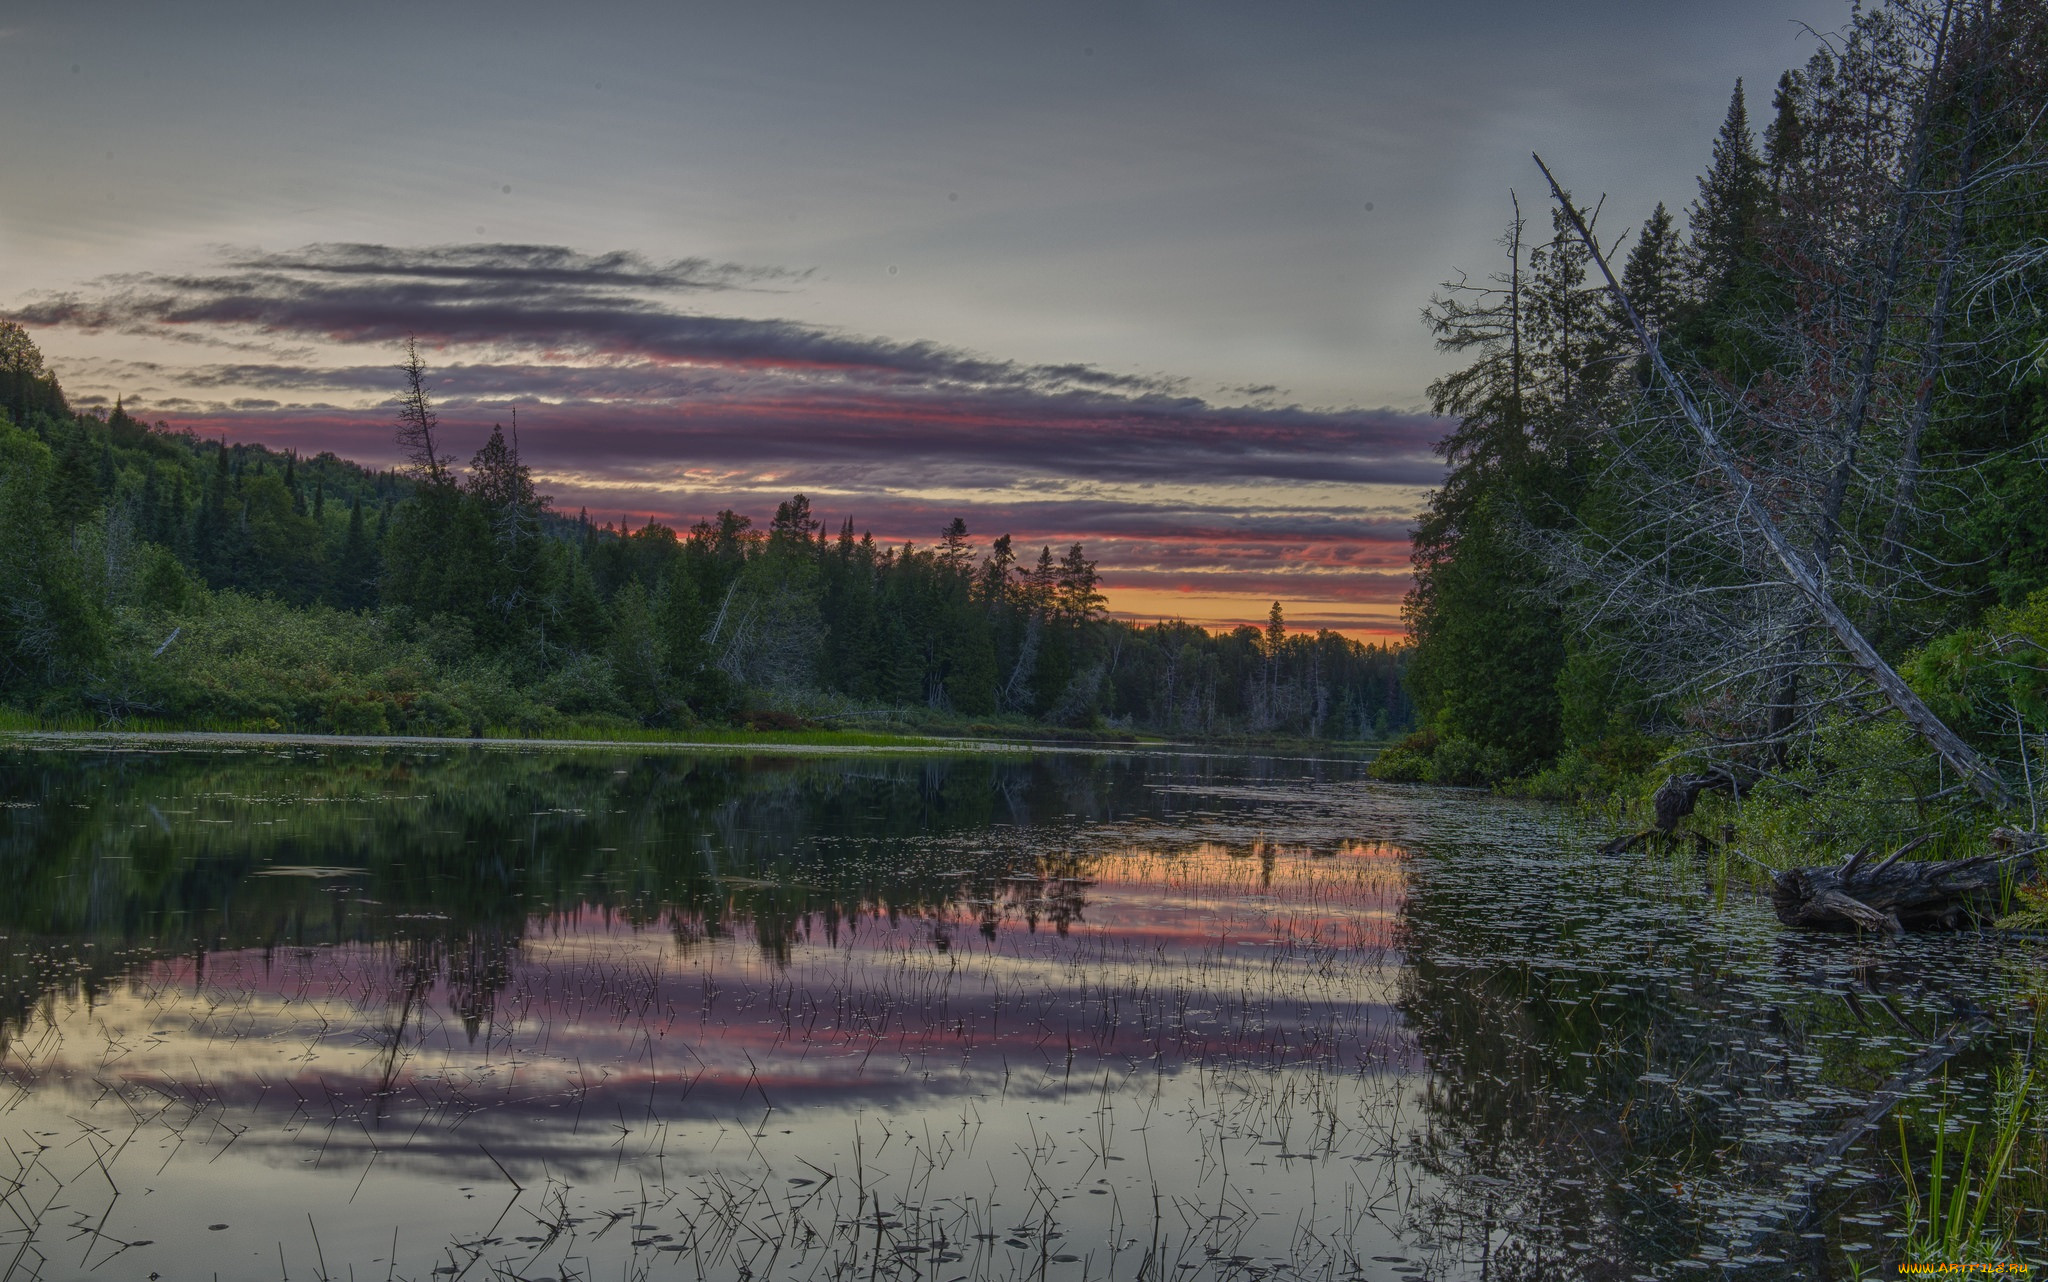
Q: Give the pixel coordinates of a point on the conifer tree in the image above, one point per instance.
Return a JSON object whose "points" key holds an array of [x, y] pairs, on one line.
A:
{"points": [[1730, 209], [149, 506], [355, 576], [956, 554], [1785, 139], [1654, 277], [50, 627], [1079, 599], [992, 585]]}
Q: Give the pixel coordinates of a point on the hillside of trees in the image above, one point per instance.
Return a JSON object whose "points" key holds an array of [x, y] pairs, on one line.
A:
{"points": [[1852, 303], [148, 576]]}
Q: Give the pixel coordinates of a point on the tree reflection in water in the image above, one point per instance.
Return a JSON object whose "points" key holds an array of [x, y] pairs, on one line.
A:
{"points": [[1170, 1015]]}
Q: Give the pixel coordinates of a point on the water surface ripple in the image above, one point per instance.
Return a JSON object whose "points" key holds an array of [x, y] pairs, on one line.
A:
{"points": [[449, 1012]]}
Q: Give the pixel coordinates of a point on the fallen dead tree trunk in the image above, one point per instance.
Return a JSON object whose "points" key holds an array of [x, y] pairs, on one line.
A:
{"points": [[1894, 896]]}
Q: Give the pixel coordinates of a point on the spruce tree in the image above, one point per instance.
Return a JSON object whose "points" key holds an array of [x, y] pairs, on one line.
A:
{"points": [[149, 506], [1079, 599], [956, 554], [1654, 277], [209, 532], [1785, 139], [1730, 208]]}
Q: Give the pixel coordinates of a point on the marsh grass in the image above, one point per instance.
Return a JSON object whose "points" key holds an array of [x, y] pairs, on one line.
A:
{"points": [[1966, 1212]]}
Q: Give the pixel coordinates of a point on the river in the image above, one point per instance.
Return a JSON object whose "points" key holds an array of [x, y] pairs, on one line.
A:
{"points": [[434, 1011]]}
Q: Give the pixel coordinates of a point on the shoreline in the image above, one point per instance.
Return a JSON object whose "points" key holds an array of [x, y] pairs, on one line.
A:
{"points": [[934, 746], [257, 739]]}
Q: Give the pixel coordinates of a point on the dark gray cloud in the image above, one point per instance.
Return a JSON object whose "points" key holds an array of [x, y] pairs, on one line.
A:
{"points": [[618, 377], [530, 266], [988, 439], [534, 297]]}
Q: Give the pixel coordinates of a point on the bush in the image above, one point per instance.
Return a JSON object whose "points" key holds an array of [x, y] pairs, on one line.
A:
{"points": [[1596, 773], [1406, 761], [1450, 760]]}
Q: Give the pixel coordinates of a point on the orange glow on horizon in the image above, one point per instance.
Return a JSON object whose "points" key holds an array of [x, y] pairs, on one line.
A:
{"points": [[1368, 621]]}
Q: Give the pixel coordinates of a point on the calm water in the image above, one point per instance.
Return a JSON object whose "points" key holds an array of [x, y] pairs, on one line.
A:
{"points": [[481, 1013]]}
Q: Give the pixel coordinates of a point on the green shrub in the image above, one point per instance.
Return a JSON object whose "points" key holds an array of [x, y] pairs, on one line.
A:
{"points": [[1406, 761], [1450, 760]]}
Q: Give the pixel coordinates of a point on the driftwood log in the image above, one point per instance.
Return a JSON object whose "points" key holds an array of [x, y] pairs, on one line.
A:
{"points": [[1892, 896]]}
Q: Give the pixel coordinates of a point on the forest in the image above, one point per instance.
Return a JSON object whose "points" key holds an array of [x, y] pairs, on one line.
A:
{"points": [[154, 578], [1692, 521]]}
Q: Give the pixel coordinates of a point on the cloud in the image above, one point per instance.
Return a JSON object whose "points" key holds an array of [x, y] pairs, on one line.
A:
{"points": [[631, 400], [529, 266], [649, 421], [531, 297]]}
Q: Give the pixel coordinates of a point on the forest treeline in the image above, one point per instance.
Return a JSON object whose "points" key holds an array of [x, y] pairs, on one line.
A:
{"points": [[148, 575], [1852, 303]]}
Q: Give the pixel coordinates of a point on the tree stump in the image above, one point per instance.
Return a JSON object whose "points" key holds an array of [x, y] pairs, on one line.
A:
{"points": [[1893, 897], [1677, 797]]}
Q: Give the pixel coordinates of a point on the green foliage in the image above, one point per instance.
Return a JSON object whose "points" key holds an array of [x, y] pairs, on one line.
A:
{"points": [[1450, 761], [1608, 771], [1945, 1220], [257, 663], [1990, 682], [151, 576], [2029, 908], [1860, 781], [51, 633]]}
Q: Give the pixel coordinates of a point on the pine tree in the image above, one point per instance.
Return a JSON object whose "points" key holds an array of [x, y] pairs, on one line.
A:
{"points": [[355, 577], [992, 586], [793, 526], [174, 526], [1078, 597], [956, 554], [1785, 140], [1040, 583], [1654, 277], [149, 506], [1730, 209], [209, 522], [26, 388], [50, 626]]}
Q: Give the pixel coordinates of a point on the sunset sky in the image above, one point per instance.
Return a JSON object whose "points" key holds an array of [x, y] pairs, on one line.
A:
{"points": [[1144, 275]]}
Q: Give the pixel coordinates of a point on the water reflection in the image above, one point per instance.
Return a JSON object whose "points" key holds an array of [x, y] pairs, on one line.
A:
{"points": [[566, 1015], [1629, 1084], [598, 976]]}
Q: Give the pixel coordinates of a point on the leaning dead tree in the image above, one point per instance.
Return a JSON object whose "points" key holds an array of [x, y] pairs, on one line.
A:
{"points": [[1763, 518], [1799, 566], [1765, 526]]}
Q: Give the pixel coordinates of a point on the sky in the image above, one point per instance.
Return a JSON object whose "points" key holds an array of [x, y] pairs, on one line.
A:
{"points": [[1146, 276]]}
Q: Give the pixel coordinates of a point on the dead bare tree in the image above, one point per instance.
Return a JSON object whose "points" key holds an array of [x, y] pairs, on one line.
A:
{"points": [[417, 421], [1803, 570], [1755, 527]]}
